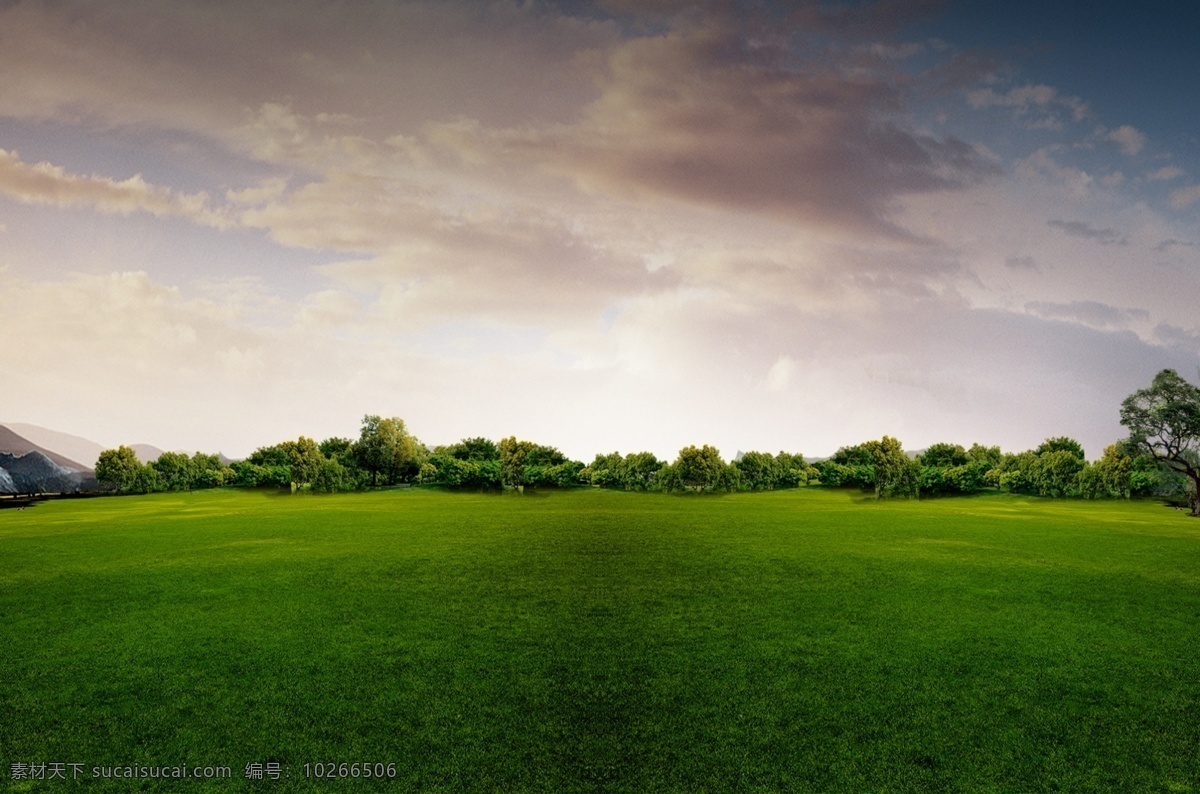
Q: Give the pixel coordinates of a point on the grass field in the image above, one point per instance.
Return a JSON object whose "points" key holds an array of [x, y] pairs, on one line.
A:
{"points": [[598, 641]]}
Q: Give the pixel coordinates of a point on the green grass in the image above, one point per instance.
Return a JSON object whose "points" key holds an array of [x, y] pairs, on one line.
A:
{"points": [[598, 641]]}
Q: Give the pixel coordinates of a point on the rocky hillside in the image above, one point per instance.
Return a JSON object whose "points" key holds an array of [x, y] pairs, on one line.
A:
{"points": [[33, 472]]}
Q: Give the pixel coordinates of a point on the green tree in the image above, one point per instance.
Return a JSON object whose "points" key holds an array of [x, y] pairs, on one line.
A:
{"points": [[641, 471], [944, 456], [335, 448], [175, 471], [1061, 444], [513, 454], [386, 450], [119, 469], [306, 460], [848, 466], [606, 471], [793, 471], [1016, 472], [759, 471], [1114, 471], [146, 480], [895, 473], [1055, 473], [1164, 424], [701, 468], [475, 449]]}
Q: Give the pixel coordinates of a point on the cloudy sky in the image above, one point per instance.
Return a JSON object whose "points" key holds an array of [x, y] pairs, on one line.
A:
{"points": [[598, 225]]}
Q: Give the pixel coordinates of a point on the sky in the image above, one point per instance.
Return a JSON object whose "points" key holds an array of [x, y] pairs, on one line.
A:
{"points": [[601, 226]]}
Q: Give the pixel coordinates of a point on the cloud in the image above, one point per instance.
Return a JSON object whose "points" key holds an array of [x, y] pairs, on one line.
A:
{"points": [[710, 115], [1024, 262], [44, 183], [1165, 174], [1166, 245], [781, 374], [1042, 164], [1039, 104], [204, 69], [1174, 336], [1185, 197], [1090, 313], [1085, 231], [1130, 139]]}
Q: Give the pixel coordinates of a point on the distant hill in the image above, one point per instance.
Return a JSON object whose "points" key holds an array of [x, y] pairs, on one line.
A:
{"points": [[16, 444], [146, 453], [34, 472], [76, 448]]}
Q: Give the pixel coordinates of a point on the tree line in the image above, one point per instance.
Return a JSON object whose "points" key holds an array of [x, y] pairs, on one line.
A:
{"points": [[1161, 457]]}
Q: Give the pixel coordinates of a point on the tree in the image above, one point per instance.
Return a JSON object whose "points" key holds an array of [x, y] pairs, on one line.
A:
{"points": [[848, 466], [513, 454], [475, 449], [1061, 444], [120, 469], [386, 449], [759, 471], [701, 468], [944, 456], [895, 473], [1164, 424], [793, 471], [1114, 471], [1056, 473], [175, 471], [307, 462], [942, 467], [641, 470]]}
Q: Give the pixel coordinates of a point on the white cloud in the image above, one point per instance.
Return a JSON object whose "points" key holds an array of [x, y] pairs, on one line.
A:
{"points": [[1040, 105], [1165, 174], [1130, 139], [1185, 197], [781, 374], [44, 183]]}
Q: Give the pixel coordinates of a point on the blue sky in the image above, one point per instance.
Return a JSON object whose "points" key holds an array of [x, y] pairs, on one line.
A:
{"points": [[602, 226]]}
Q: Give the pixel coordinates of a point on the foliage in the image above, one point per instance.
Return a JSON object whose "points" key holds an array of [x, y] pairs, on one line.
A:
{"points": [[849, 466], [387, 451], [474, 449], [120, 470], [339, 449], [1164, 424], [1061, 444], [702, 469], [175, 471], [512, 460], [526, 463], [637, 471], [759, 471], [896, 474], [944, 456], [1055, 472], [950, 469], [793, 470]]}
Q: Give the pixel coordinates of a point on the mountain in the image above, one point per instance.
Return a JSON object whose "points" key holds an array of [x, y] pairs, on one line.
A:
{"points": [[75, 448], [15, 444], [34, 472], [146, 453]]}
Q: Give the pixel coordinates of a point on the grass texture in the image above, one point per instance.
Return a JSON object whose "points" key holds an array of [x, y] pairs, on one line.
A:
{"points": [[590, 640]]}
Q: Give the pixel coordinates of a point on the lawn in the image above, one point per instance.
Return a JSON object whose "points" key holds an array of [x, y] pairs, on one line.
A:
{"points": [[591, 640]]}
